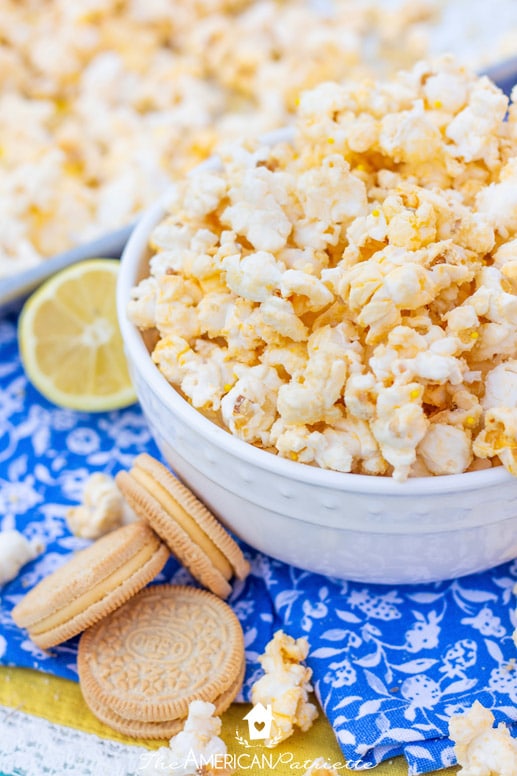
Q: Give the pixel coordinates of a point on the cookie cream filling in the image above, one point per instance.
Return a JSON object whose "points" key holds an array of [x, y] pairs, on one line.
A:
{"points": [[97, 592], [184, 520]]}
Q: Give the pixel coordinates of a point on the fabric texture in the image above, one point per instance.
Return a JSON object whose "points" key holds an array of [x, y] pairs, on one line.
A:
{"points": [[390, 664], [34, 747], [30, 695]]}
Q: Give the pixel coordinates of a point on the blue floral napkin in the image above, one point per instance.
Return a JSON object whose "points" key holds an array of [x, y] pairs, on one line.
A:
{"points": [[390, 664]]}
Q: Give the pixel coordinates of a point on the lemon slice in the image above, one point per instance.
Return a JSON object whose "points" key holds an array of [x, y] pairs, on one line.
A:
{"points": [[70, 342]]}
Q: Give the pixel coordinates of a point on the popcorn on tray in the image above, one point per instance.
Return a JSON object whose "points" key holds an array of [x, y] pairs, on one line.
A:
{"points": [[285, 686], [103, 104], [349, 299], [481, 749]]}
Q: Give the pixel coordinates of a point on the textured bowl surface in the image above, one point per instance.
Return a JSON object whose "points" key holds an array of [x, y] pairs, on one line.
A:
{"points": [[357, 527]]}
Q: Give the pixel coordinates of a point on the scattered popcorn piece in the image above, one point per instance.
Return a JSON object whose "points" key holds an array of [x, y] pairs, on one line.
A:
{"points": [[90, 87], [285, 686], [481, 749], [103, 508], [15, 552], [196, 749]]}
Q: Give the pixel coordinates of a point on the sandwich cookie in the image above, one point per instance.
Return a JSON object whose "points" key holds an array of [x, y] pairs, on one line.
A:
{"points": [[91, 585], [141, 667], [189, 529]]}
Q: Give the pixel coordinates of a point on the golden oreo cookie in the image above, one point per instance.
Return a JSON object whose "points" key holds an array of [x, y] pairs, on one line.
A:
{"points": [[91, 585], [191, 532], [141, 667], [138, 729]]}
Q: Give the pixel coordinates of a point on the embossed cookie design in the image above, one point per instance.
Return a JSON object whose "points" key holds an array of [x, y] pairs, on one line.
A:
{"points": [[169, 645]]}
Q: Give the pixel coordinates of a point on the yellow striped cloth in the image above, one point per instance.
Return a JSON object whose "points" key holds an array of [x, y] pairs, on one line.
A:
{"points": [[60, 701]]}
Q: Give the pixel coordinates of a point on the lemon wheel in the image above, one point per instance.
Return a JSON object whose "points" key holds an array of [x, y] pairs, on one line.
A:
{"points": [[70, 342]]}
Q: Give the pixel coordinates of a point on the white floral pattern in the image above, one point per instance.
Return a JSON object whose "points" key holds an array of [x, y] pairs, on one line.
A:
{"points": [[390, 665]]}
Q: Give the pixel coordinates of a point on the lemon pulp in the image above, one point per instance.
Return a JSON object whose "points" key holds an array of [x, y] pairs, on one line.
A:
{"points": [[70, 342]]}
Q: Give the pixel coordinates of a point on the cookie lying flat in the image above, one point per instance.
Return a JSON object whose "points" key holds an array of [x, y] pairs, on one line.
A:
{"points": [[91, 585], [191, 532], [169, 645]]}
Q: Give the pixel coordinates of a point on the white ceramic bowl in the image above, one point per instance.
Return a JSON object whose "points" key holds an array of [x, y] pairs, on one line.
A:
{"points": [[350, 526]]}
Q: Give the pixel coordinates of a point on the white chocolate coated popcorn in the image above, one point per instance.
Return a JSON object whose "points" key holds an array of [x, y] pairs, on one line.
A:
{"points": [[102, 510], [104, 103], [15, 552], [348, 300], [481, 749], [501, 386], [196, 749], [285, 685], [445, 449]]}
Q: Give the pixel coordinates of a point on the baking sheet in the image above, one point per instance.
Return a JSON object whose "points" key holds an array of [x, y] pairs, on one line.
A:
{"points": [[17, 286]]}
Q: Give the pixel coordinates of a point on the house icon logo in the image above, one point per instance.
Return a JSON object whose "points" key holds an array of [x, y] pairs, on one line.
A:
{"points": [[259, 721]]}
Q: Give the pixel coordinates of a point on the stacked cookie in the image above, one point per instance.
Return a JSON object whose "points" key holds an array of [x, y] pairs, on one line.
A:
{"points": [[169, 645], [146, 654], [190, 531]]}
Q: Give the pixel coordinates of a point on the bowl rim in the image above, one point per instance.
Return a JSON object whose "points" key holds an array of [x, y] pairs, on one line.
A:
{"points": [[132, 256]]}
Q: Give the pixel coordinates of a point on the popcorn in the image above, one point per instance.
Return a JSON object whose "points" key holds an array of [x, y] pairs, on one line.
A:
{"points": [[498, 437], [409, 136], [400, 424], [285, 686], [103, 508], [481, 749], [474, 129], [249, 407], [352, 304], [256, 210], [15, 552], [105, 103], [197, 748], [344, 447], [277, 321], [253, 277], [446, 449], [331, 194], [295, 281]]}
